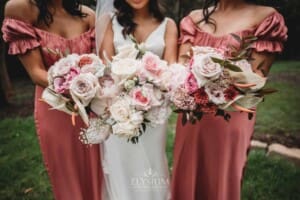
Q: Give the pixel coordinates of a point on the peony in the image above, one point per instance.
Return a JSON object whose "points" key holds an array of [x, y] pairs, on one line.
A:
{"points": [[120, 109], [153, 64], [205, 69], [63, 66], [158, 115], [84, 88]]}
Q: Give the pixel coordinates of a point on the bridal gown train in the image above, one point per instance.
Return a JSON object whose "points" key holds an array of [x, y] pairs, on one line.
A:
{"points": [[137, 171]]}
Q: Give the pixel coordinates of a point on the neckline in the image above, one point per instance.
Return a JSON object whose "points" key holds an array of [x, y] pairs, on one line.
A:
{"points": [[152, 32], [235, 32], [51, 33]]}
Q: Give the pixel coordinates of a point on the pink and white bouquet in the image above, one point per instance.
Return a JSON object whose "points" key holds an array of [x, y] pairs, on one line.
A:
{"points": [[144, 92], [78, 86], [215, 84]]}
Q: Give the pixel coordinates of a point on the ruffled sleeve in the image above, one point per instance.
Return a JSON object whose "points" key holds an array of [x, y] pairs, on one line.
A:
{"points": [[271, 34], [187, 31], [20, 36]]}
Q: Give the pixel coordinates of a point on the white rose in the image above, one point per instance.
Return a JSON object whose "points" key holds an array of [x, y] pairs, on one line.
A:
{"points": [[125, 129], [120, 109], [84, 87], [126, 51], [205, 69], [125, 68]]}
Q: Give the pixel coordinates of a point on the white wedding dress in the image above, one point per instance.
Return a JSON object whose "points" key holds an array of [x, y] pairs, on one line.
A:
{"points": [[137, 171]]}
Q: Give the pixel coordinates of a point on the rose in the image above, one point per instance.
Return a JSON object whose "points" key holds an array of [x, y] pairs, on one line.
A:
{"points": [[145, 97], [153, 64], [125, 68], [191, 83], [158, 115], [205, 69], [63, 66], [120, 109], [173, 77], [84, 88], [125, 129], [90, 63], [126, 51]]}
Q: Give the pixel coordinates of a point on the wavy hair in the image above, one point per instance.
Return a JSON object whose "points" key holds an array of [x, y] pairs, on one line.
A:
{"points": [[73, 7], [125, 14]]}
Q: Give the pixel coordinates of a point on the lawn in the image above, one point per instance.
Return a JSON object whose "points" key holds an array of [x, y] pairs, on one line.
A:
{"points": [[22, 175]]}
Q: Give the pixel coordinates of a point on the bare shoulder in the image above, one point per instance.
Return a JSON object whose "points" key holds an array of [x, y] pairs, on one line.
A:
{"points": [[171, 26], [261, 12], [196, 15], [24, 10], [90, 19]]}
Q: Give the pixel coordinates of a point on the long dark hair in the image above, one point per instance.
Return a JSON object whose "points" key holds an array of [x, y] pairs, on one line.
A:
{"points": [[73, 7], [207, 11], [125, 14]]}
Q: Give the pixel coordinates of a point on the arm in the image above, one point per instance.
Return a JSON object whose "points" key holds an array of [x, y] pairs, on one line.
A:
{"points": [[32, 60], [266, 59], [107, 45], [171, 38]]}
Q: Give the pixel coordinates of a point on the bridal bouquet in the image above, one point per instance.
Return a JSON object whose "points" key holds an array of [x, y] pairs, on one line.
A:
{"points": [[216, 84], [75, 89], [143, 99]]}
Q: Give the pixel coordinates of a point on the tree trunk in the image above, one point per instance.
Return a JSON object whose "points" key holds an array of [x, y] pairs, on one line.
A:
{"points": [[5, 84]]}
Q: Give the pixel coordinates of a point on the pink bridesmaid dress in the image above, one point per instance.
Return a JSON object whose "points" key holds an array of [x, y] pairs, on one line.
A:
{"points": [[74, 169], [209, 157]]}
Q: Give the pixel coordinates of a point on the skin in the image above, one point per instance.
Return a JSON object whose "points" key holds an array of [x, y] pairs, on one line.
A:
{"points": [[63, 25], [146, 25], [232, 16]]}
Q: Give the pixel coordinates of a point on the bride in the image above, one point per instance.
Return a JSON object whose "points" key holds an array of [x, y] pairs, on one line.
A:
{"points": [[136, 171]]}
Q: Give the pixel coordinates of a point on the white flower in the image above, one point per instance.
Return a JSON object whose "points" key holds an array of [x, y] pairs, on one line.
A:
{"points": [[125, 129], [84, 88], [120, 110], [215, 94], [244, 65], [136, 118], [62, 66], [125, 68], [126, 51], [205, 69], [158, 115], [174, 77]]}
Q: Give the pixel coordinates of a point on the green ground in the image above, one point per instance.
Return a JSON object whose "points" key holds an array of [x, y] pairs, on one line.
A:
{"points": [[22, 175]]}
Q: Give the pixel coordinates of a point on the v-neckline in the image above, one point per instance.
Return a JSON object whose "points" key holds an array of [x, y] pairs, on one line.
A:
{"points": [[150, 34]]}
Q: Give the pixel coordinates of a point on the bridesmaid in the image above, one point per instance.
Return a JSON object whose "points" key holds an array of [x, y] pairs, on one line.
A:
{"points": [[30, 27], [209, 157]]}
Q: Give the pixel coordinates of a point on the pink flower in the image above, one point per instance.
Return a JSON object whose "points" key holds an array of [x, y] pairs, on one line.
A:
{"points": [[85, 60], [59, 84], [141, 99], [152, 63], [72, 73], [191, 83]]}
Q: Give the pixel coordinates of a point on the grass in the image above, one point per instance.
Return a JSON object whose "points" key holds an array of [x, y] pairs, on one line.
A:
{"points": [[280, 113], [22, 175]]}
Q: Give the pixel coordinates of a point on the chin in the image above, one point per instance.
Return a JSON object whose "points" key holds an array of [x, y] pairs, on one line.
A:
{"points": [[138, 4]]}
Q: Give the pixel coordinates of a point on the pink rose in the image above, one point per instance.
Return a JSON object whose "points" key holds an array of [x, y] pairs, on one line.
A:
{"points": [[141, 99], [152, 63], [72, 73], [191, 83]]}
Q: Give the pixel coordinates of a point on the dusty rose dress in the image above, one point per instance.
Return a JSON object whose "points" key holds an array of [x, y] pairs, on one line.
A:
{"points": [[74, 169], [209, 156]]}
